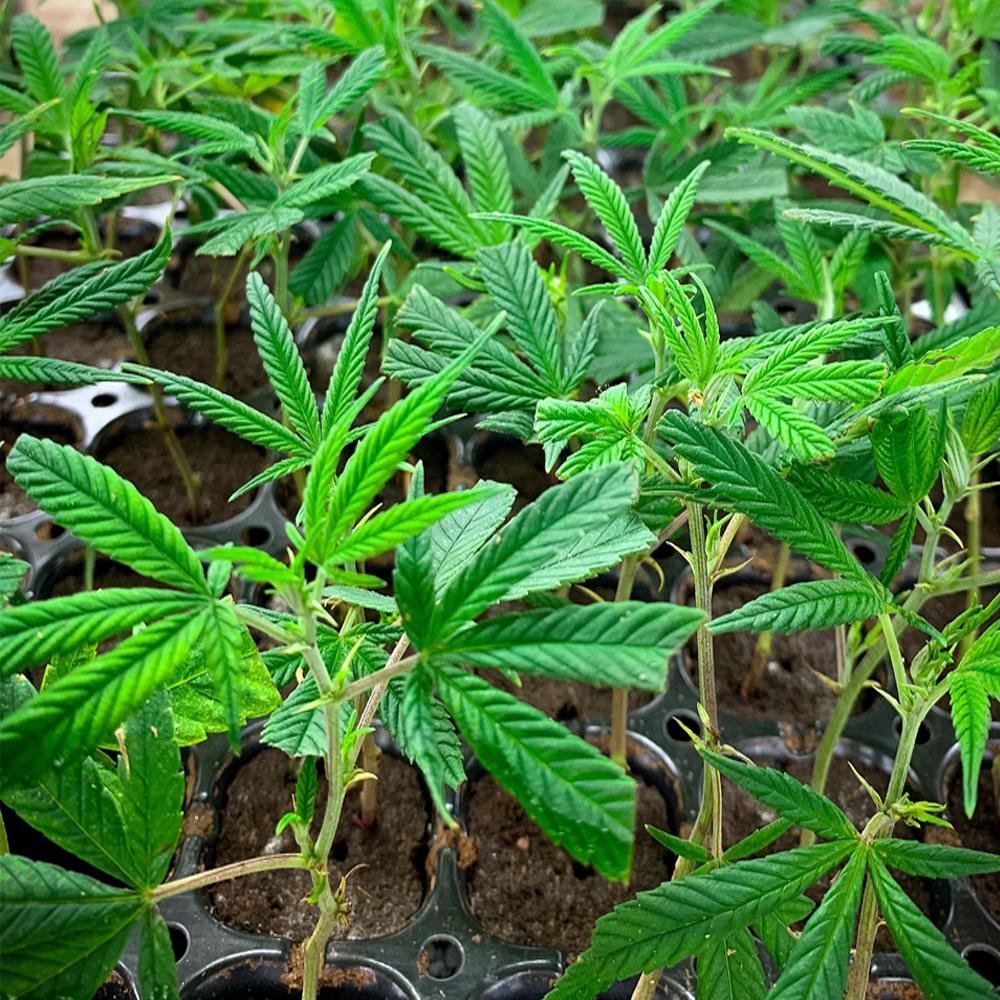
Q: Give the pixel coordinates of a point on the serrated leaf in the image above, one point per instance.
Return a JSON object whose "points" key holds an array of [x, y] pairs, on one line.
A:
{"points": [[485, 165], [789, 798], [665, 925], [36, 55], [64, 373], [325, 182], [105, 510], [361, 75], [935, 860], [842, 499], [815, 604], [970, 715], [327, 263], [729, 969], [206, 128], [157, 965], [672, 218], [817, 965], [282, 360], [519, 51], [907, 460], [796, 432], [937, 968], [899, 548], [981, 420], [62, 932], [583, 801], [625, 644]]}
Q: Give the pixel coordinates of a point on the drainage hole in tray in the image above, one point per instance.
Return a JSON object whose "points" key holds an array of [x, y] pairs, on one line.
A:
{"points": [[256, 534], [675, 726], [985, 961], [441, 957], [180, 940], [103, 400]]}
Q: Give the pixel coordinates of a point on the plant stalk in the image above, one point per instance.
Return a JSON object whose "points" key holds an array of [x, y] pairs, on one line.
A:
{"points": [[249, 866]]}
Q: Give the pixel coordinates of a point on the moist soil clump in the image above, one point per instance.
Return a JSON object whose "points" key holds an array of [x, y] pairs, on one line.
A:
{"points": [[527, 890], [789, 691], [743, 814], [893, 989], [385, 895], [224, 461], [188, 349], [981, 832]]}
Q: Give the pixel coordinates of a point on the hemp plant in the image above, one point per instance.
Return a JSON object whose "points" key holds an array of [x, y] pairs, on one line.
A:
{"points": [[190, 667], [727, 895]]}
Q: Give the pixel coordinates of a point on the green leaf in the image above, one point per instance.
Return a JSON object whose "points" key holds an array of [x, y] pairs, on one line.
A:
{"points": [[36, 55], [218, 134], [817, 966], [796, 432], [625, 644], [66, 373], [365, 70], [937, 968], [907, 460], [745, 483], [608, 201], [80, 294], [350, 365], [222, 642], [672, 219], [157, 965], [517, 287], [242, 419], [327, 263], [935, 860], [152, 790], [62, 933], [667, 924], [105, 510], [847, 500], [430, 738], [12, 574], [899, 548], [325, 182], [789, 798], [970, 715], [62, 195], [981, 420], [533, 538], [33, 633], [729, 969], [282, 360], [815, 604], [295, 729], [583, 801], [485, 164], [522, 54], [82, 710], [680, 846]]}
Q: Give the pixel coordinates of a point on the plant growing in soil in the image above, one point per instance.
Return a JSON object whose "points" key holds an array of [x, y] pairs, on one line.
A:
{"points": [[189, 666], [710, 912]]}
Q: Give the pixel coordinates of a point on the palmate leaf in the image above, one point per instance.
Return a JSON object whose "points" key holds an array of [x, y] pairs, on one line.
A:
{"points": [[745, 483], [789, 798], [36, 55], [34, 633], [62, 932], [82, 709], [672, 219], [521, 53], [583, 801], [815, 604], [516, 285], [105, 510], [361, 75], [625, 644], [282, 361], [817, 965], [485, 165], [665, 925], [233, 232], [607, 200], [937, 968], [80, 294], [539, 534], [325, 182], [61, 195]]}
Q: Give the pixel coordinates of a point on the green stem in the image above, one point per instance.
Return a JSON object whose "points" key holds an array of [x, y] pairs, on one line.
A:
{"points": [[249, 866], [221, 353], [973, 520], [762, 652], [703, 600], [89, 560], [895, 657], [281, 272], [619, 696]]}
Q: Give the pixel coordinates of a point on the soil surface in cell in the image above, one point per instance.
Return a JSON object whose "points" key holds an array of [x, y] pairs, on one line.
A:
{"points": [[14, 502], [224, 462], [981, 832], [188, 349], [789, 690], [97, 342], [130, 241], [743, 815], [893, 989], [385, 895], [525, 889], [114, 988]]}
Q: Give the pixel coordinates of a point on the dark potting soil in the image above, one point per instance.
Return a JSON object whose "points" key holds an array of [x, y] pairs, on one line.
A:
{"points": [[743, 814], [224, 461], [189, 349], [981, 832], [131, 239], [893, 989], [508, 460], [98, 342], [789, 691], [206, 277], [525, 889], [114, 988], [14, 502], [385, 895]]}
